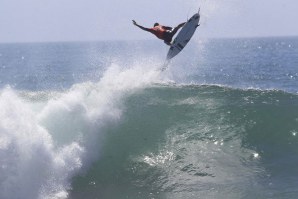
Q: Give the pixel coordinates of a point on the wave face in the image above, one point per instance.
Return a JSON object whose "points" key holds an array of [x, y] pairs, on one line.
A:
{"points": [[97, 120], [188, 141]]}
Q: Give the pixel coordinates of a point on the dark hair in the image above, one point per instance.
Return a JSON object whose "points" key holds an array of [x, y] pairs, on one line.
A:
{"points": [[156, 24]]}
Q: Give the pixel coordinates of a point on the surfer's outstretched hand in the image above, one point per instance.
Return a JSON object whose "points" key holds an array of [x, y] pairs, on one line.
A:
{"points": [[134, 22]]}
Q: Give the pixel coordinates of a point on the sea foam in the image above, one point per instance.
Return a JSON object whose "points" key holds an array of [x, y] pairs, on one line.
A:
{"points": [[46, 141]]}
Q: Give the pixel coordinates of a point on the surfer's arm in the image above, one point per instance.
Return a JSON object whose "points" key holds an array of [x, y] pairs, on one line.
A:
{"points": [[143, 28], [167, 27]]}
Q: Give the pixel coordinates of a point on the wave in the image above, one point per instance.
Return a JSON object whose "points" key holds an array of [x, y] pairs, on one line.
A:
{"points": [[48, 137], [183, 140], [161, 137]]}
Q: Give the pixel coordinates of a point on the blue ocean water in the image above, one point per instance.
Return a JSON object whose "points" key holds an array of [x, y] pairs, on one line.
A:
{"points": [[98, 120]]}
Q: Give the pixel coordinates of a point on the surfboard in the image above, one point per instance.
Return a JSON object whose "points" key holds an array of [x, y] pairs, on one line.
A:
{"points": [[184, 36]]}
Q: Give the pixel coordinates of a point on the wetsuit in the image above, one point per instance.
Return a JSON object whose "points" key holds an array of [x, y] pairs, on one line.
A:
{"points": [[162, 32]]}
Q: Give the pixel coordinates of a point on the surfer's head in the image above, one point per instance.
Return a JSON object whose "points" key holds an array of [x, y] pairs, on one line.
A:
{"points": [[156, 24]]}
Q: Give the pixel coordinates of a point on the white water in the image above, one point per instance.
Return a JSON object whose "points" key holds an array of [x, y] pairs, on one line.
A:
{"points": [[47, 138]]}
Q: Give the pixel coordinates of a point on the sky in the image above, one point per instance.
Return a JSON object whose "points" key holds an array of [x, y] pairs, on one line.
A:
{"points": [[97, 20]]}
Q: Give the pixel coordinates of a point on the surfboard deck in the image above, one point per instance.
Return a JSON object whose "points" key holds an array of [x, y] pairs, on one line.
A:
{"points": [[184, 36]]}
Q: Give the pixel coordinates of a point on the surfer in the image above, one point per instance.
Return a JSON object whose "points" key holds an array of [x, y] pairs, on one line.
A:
{"points": [[164, 33]]}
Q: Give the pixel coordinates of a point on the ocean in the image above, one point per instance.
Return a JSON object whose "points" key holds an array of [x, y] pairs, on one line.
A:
{"points": [[98, 120]]}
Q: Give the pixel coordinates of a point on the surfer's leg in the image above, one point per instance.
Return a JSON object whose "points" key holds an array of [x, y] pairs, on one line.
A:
{"points": [[168, 37], [174, 31], [168, 43]]}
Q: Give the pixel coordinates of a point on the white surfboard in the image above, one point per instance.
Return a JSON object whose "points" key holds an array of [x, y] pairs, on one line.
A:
{"points": [[184, 36]]}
